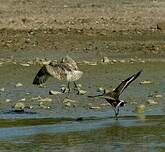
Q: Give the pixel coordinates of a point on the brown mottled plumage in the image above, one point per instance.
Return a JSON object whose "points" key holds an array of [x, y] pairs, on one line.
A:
{"points": [[66, 69]]}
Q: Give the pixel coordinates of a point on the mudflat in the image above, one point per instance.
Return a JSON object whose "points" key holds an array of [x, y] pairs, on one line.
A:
{"points": [[85, 26]]}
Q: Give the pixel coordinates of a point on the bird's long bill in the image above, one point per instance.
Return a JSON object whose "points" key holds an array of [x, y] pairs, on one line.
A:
{"points": [[100, 95]]}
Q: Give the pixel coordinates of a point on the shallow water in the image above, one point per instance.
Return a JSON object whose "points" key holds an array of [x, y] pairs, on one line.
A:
{"points": [[59, 129], [130, 133]]}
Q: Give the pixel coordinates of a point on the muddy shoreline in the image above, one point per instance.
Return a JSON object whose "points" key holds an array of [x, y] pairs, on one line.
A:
{"points": [[84, 28], [86, 43]]}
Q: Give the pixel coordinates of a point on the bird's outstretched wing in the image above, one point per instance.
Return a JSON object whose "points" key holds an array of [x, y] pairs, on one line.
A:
{"points": [[57, 71], [41, 76], [124, 84]]}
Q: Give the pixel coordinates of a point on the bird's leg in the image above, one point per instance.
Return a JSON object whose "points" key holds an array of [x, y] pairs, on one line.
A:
{"points": [[68, 87], [116, 113], [76, 87]]}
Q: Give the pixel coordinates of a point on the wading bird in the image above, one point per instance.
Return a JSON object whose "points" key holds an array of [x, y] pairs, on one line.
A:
{"points": [[113, 96], [66, 69]]}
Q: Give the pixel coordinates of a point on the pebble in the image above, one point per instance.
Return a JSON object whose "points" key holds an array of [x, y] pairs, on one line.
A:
{"points": [[51, 92], [23, 99], [105, 60], [19, 106], [1, 63], [90, 62], [82, 92], [122, 61], [69, 100], [132, 60], [68, 104], [41, 104], [45, 99], [140, 108], [94, 107], [114, 61], [151, 102], [25, 64], [2, 89], [36, 98], [19, 84], [79, 85], [100, 89], [7, 100], [158, 96], [146, 82]]}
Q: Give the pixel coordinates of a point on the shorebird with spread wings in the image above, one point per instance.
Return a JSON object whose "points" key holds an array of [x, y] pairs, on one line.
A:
{"points": [[66, 69], [113, 96]]}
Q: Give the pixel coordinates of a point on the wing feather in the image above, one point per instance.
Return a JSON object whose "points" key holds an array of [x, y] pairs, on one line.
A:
{"points": [[57, 71], [41, 76], [124, 84]]}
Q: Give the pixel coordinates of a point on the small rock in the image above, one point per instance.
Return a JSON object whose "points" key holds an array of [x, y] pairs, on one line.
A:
{"points": [[151, 102], [132, 60], [65, 6], [105, 60], [94, 107], [146, 82], [1, 63], [19, 84], [90, 62], [68, 104], [140, 108], [68, 100], [45, 99], [82, 92], [100, 89], [23, 99], [19, 106], [25, 64], [79, 85], [122, 61], [7, 100], [46, 62], [114, 61], [41, 104], [30, 62], [158, 96], [36, 98], [51, 92], [2, 89], [133, 103]]}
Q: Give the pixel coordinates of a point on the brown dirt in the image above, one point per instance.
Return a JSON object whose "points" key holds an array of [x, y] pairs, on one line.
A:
{"points": [[81, 25]]}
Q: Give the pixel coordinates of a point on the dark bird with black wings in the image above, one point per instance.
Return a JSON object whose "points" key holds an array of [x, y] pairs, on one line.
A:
{"points": [[66, 69], [113, 96]]}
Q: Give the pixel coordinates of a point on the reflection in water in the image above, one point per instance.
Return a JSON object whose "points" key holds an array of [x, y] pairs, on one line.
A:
{"points": [[96, 135]]}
